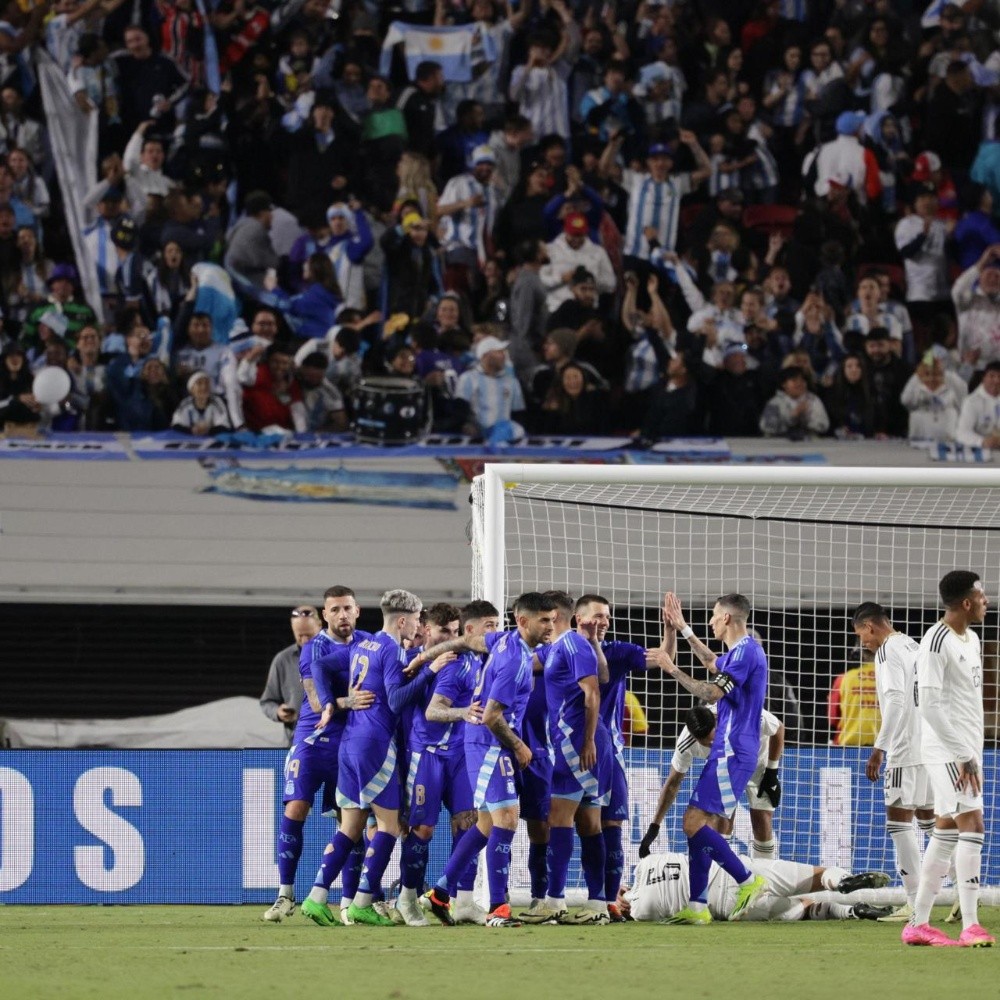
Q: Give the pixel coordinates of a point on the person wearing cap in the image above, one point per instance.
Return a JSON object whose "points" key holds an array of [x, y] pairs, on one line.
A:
{"points": [[794, 412], [51, 323], [411, 266], [201, 413], [322, 159], [889, 374], [350, 242], [654, 206], [130, 279], [921, 239], [492, 392], [976, 295], [846, 161], [97, 238], [249, 253], [467, 212], [61, 284], [569, 251]]}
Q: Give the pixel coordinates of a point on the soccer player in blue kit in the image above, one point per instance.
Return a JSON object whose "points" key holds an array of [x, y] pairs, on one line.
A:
{"points": [[581, 773], [367, 779], [311, 762], [495, 751], [739, 685], [437, 772]]}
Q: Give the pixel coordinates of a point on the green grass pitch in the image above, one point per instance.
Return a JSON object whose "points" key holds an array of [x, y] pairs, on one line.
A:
{"points": [[138, 952]]}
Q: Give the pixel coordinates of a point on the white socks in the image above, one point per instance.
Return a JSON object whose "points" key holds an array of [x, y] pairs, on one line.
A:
{"points": [[937, 859], [968, 858], [319, 895], [764, 849], [832, 877], [904, 840]]}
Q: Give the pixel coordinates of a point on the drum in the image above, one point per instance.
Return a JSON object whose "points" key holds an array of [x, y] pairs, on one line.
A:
{"points": [[390, 411]]}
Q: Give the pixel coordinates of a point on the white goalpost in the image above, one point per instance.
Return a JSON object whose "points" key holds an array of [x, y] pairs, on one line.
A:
{"points": [[806, 545]]}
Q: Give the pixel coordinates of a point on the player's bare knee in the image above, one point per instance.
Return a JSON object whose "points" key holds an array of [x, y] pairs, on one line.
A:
{"points": [[694, 820], [505, 817], [297, 810], [588, 822], [970, 822]]}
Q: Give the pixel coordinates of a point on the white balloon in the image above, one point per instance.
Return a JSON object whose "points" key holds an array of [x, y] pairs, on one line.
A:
{"points": [[51, 385]]}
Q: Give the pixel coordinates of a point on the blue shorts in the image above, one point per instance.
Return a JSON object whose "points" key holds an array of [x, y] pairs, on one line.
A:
{"points": [[491, 772], [535, 785], [571, 781], [308, 767], [721, 784], [617, 807], [367, 775], [434, 780]]}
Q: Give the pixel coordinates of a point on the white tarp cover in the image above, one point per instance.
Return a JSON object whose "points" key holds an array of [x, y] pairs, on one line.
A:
{"points": [[232, 723]]}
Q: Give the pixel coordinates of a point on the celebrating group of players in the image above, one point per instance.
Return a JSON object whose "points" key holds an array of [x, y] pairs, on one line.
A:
{"points": [[499, 726]]}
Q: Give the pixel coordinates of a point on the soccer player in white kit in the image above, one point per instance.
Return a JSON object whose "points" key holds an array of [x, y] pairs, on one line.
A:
{"points": [[897, 746], [949, 696], [661, 888]]}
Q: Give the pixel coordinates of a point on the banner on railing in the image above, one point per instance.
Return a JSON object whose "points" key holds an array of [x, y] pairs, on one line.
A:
{"points": [[200, 826]]}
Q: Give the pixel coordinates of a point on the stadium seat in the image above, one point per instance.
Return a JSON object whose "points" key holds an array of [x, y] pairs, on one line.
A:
{"points": [[771, 218]]}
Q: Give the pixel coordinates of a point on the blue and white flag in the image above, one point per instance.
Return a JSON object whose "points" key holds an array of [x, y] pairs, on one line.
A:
{"points": [[455, 49], [216, 297]]}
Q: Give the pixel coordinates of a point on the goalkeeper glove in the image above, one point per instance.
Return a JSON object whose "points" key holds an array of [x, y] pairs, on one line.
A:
{"points": [[770, 786], [646, 843]]}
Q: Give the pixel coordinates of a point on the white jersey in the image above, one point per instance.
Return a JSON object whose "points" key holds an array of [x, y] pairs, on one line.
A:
{"points": [[688, 748], [952, 664], [219, 363], [895, 686], [661, 887], [653, 205], [468, 228]]}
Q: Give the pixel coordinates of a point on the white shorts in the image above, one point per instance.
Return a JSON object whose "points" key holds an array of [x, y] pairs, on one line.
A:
{"points": [[754, 800], [949, 800], [784, 878], [908, 787]]}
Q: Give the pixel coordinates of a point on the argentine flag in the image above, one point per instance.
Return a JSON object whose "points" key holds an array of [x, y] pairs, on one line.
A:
{"points": [[216, 297], [450, 47]]}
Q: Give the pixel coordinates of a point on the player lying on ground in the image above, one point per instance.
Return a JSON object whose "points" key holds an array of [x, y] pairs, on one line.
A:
{"points": [[661, 891]]}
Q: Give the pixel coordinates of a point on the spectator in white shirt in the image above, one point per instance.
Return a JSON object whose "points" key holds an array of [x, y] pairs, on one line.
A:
{"points": [[976, 295], [793, 411], [201, 413], [573, 249], [467, 210], [539, 87], [845, 161], [143, 161], [493, 393], [921, 239], [979, 419], [934, 398]]}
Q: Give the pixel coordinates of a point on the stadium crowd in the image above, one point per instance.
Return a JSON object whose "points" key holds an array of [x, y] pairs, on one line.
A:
{"points": [[657, 218]]}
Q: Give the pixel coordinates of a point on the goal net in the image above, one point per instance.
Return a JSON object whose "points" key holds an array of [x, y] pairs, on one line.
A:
{"points": [[805, 546]]}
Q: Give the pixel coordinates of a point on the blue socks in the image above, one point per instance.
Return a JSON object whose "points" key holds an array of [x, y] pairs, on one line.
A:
{"points": [[334, 859], [592, 860], [464, 854], [376, 861], [498, 865], [413, 862], [289, 849], [707, 846], [614, 862], [538, 870], [559, 853], [351, 875]]}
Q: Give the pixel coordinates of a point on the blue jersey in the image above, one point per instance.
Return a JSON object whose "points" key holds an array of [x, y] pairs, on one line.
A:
{"points": [[376, 665], [570, 660], [623, 659], [456, 683], [504, 678], [326, 662], [536, 715], [743, 677]]}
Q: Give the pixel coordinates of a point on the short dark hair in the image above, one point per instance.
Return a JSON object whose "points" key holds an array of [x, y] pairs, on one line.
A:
{"points": [[349, 340], [338, 591], [315, 359], [442, 613], [737, 605], [426, 70], [869, 611], [533, 603], [561, 601], [586, 599], [516, 123], [476, 610], [700, 721], [993, 366], [956, 586]]}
